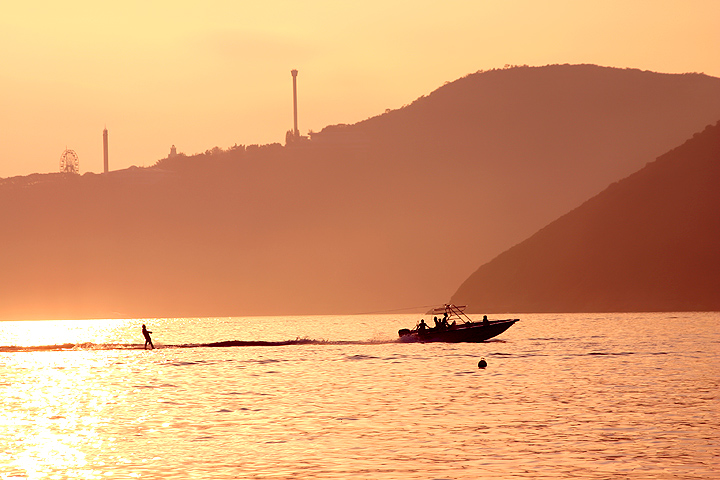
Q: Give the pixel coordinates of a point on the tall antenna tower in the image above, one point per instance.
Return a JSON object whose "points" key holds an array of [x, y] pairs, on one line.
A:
{"points": [[295, 129]]}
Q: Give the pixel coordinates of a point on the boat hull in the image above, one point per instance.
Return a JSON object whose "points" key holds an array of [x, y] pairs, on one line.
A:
{"points": [[474, 332]]}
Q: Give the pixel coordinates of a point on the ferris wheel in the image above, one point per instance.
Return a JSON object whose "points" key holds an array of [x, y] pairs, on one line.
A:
{"points": [[69, 162]]}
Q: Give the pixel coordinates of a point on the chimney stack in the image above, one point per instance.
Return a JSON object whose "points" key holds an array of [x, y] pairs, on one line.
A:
{"points": [[105, 149]]}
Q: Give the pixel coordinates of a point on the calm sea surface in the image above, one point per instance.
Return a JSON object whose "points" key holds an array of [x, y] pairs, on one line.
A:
{"points": [[564, 396]]}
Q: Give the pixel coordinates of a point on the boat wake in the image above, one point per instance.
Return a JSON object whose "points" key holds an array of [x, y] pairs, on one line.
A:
{"points": [[227, 343]]}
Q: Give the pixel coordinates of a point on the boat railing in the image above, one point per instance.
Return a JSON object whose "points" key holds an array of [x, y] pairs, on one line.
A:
{"points": [[457, 311]]}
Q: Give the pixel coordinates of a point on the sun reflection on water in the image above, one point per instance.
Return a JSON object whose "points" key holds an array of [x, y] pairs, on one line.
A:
{"points": [[69, 332], [54, 412]]}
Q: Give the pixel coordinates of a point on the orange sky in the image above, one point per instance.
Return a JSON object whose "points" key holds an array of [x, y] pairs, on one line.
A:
{"points": [[217, 72]]}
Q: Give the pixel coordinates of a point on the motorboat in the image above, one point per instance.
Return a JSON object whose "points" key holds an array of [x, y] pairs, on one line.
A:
{"points": [[454, 326]]}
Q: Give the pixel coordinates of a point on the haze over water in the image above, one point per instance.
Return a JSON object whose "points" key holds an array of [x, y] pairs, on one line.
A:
{"points": [[564, 396]]}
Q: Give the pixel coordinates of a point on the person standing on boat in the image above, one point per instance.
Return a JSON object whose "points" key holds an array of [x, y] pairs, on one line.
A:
{"points": [[146, 333]]}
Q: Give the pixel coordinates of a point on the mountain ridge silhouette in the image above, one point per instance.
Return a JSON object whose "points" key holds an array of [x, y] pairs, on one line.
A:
{"points": [[646, 243], [396, 210]]}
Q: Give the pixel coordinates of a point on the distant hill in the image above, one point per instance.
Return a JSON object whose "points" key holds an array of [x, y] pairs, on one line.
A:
{"points": [[391, 212], [649, 242]]}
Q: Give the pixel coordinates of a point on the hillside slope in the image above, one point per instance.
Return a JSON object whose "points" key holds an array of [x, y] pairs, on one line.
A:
{"points": [[392, 212], [646, 243]]}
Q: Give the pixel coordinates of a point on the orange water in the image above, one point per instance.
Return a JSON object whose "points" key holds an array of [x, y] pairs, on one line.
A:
{"points": [[563, 396]]}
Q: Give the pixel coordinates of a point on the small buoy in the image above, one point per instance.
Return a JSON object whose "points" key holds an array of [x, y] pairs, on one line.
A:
{"points": [[482, 363]]}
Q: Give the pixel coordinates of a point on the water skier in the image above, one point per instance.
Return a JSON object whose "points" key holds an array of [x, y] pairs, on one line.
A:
{"points": [[146, 333]]}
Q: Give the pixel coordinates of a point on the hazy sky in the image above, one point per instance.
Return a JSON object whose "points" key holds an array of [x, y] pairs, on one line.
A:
{"points": [[200, 74]]}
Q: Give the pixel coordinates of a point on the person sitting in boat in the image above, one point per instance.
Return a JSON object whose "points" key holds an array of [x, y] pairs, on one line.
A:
{"points": [[422, 326], [438, 325], [485, 320], [445, 322]]}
